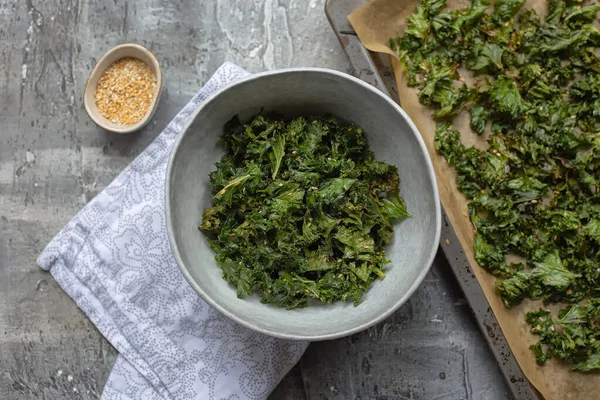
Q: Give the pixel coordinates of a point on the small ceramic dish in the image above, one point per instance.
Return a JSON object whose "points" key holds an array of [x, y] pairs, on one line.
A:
{"points": [[115, 54]]}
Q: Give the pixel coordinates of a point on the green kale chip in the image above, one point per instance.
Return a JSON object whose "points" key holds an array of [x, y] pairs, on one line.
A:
{"points": [[505, 98], [534, 192], [506, 9], [301, 209], [571, 337]]}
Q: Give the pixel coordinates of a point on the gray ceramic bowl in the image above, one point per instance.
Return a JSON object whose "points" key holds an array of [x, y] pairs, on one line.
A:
{"points": [[304, 92]]}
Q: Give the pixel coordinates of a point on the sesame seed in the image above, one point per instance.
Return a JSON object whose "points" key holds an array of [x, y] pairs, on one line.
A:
{"points": [[447, 241]]}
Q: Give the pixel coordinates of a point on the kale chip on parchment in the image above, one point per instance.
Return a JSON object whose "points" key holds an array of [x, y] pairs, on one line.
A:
{"points": [[301, 210], [534, 194]]}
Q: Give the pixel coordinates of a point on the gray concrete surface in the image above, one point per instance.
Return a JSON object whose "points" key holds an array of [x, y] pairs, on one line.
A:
{"points": [[53, 160]]}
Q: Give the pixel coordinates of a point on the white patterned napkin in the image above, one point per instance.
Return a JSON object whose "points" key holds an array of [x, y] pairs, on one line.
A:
{"points": [[115, 261]]}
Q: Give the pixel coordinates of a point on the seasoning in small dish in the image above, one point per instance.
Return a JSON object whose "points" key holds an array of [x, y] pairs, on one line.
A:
{"points": [[125, 91]]}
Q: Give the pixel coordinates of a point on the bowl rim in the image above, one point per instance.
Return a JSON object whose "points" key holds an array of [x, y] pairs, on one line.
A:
{"points": [[157, 92], [249, 324]]}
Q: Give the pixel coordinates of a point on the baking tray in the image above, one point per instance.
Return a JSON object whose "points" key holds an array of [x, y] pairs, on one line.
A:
{"points": [[376, 69]]}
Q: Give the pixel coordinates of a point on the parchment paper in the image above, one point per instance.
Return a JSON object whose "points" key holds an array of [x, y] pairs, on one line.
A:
{"points": [[375, 23]]}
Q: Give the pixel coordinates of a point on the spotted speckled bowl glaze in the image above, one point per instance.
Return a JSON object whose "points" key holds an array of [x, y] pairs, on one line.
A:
{"points": [[304, 92]]}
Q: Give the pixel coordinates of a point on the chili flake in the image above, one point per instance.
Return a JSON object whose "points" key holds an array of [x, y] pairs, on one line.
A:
{"points": [[125, 91]]}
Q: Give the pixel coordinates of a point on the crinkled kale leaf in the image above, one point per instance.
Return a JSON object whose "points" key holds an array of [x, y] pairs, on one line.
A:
{"points": [[534, 193], [301, 210]]}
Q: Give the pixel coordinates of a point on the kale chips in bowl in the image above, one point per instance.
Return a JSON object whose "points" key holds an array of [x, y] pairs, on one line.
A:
{"points": [[316, 201]]}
